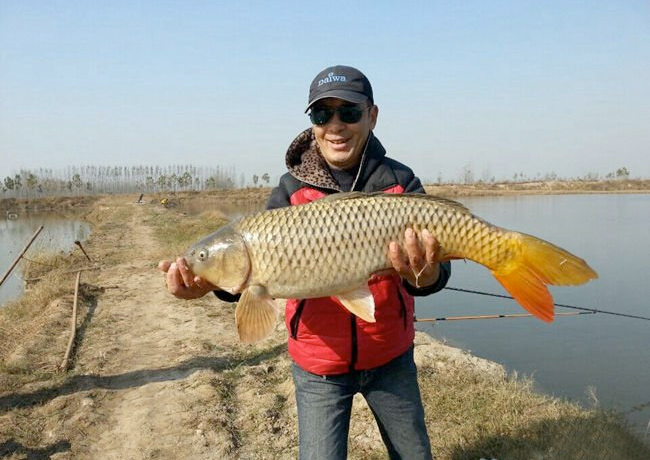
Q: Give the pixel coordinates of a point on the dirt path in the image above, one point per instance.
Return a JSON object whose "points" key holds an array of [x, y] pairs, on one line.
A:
{"points": [[152, 354]]}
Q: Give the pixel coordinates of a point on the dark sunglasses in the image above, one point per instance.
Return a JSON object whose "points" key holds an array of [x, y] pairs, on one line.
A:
{"points": [[347, 114]]}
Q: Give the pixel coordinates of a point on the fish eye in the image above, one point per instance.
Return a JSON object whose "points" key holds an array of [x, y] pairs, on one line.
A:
{"points": [[203, 254]]}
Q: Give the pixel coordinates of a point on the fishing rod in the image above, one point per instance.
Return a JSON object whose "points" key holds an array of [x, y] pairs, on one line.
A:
{"points": [[591, 310], [516, 315]]}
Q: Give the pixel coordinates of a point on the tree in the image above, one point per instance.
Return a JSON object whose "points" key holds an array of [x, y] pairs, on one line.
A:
{"points": [[622, 173], [184, 180], [9, 183], [468, 175], [17, 183], [31, 181], [77, 183], [266, 178], [255, 179]]}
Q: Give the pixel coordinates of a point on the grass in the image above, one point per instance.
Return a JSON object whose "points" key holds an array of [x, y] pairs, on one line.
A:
{"points": [[176, 231], [495, 416], [33, 328]]}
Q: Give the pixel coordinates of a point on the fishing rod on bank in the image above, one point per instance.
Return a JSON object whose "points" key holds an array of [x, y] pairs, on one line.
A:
{"points": [[583, 310], [500, 316]]}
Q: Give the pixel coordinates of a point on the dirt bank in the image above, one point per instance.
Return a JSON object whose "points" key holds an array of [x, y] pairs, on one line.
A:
{"points": [[153, 377]]}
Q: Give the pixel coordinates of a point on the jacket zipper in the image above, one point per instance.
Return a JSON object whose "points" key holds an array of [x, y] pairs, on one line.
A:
{"points": [[295, 321], [354, 351], [403, 306]]}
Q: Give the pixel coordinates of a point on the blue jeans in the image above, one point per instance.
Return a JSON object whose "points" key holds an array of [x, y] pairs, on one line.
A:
{"points": [[392, 392]]}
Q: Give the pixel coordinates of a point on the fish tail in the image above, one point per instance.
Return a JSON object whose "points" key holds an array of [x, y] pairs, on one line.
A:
{"points": [[535, 265]]}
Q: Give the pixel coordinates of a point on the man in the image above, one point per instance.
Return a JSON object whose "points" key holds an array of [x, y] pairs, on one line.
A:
{"points": [[335, 353]]}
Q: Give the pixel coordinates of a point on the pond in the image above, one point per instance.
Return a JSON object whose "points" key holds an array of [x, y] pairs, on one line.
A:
{"points": [[58, 234], [578, 357]]}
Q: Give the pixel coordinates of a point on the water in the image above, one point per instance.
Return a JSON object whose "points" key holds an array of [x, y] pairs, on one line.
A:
{"points": [[58, 234], [605, 355]]}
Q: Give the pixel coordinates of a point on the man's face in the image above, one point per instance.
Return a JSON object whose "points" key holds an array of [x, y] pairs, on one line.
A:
{"points": [[341, 144]]}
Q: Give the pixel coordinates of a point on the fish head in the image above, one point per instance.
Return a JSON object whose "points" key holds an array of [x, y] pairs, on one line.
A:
{"points": [[222, 259]]}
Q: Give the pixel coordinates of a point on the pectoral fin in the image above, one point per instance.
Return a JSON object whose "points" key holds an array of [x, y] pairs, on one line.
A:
{"points": [[256, 314], [360, 302]]}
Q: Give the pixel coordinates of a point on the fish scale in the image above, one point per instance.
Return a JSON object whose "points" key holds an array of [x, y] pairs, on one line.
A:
{"points": [[332, 246], [349, 237]]}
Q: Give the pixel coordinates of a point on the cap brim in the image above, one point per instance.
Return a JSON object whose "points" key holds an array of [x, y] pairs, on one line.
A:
{"points": [[350, 96]]}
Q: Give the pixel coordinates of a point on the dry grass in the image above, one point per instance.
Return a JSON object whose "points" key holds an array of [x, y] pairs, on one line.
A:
{"points": [[33, 328], [175, 231], [477, 414]]}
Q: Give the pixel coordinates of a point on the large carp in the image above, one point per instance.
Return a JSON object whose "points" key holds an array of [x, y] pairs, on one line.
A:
{"points": [[332, 246]]}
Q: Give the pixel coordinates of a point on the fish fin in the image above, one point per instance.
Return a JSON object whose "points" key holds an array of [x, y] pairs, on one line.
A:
{"points": [[360, 302], [392, 196], [538, 264], [553, 264], [344, 196], [256, 314], [529, 290]]}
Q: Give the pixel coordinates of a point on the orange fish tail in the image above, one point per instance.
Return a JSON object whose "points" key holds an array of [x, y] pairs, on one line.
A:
{"points": [[536, 264]]}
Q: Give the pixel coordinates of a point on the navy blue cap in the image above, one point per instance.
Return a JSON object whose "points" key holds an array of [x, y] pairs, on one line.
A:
{"points": [[342, 82]]}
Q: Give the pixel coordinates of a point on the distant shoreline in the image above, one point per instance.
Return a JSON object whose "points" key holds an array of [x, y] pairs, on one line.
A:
{"points": [[556, 187], [260, 194]]}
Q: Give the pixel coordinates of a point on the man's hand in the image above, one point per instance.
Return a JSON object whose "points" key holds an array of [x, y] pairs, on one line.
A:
{"points": [[181, 282], [418, 262]]}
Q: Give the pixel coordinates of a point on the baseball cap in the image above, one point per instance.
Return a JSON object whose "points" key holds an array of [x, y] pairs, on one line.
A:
{"points": [[342, 82]]}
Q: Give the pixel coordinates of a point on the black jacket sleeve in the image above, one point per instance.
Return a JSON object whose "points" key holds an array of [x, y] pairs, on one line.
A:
{"points": [[227, 296], [445, 273], [279, 195]]}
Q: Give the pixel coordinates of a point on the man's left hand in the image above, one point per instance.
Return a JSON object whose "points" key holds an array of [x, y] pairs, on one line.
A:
{"points": [[418, 262]]}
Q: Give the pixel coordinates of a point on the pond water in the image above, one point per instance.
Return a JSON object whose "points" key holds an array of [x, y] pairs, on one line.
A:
{"points": [[607, 356], [58, 234]]}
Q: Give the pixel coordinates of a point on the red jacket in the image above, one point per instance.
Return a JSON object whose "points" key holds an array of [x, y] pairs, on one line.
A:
{"points": [[324, 338]]}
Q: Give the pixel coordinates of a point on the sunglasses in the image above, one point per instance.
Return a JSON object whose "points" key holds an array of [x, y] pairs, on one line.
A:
{"points": [[347, 114]]}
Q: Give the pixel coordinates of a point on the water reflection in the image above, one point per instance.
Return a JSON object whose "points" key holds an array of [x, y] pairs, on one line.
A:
{"points": [[58, 235]]}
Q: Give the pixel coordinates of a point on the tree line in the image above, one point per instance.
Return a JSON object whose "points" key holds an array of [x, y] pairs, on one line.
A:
{"points": [[84, 180]]}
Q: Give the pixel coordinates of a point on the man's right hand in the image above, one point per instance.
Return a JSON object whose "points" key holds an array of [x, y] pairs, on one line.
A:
{"points": [[181, 282]]}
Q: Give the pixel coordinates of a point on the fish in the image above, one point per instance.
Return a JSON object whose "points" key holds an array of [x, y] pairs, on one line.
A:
{"points": [[334, 245]]}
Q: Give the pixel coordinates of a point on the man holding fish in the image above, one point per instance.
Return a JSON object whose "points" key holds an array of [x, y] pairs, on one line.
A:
{"points": [[357, 341]]}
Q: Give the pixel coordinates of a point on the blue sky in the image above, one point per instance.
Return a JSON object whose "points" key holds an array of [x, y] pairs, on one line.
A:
{"points": [[499, 87]]}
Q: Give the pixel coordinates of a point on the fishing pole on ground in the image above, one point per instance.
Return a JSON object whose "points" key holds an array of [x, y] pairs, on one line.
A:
{"points": [[500, 316], [584, 310]]}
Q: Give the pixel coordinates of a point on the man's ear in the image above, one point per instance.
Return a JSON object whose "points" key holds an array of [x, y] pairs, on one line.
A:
{"points": [[374, 112]]}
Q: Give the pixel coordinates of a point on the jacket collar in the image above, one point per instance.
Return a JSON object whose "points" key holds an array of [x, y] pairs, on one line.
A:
{"points": [[305, 162]]}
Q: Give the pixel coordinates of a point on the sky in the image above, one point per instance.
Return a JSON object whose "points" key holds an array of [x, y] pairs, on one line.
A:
{"points": [[493, 87]]}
